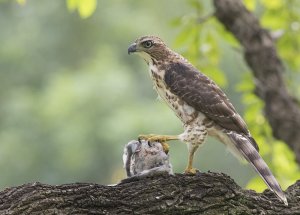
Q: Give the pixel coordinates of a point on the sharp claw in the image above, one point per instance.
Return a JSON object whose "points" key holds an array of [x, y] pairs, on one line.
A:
{"points": [[191, 171]]}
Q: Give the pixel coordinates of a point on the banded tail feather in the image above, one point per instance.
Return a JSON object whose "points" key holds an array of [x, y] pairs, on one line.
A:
{"points": [[244, 146]]}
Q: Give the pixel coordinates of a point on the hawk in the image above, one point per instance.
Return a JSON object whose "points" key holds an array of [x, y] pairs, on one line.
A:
{"points": [[201, 105]]}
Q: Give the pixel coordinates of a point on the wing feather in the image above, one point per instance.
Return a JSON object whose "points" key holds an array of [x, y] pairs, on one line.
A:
{"points": [[204, 95]]}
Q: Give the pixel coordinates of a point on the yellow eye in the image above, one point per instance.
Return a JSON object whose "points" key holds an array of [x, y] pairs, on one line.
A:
{"points": [[147, 44]]}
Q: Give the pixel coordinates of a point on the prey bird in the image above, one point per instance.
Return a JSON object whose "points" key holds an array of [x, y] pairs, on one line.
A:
{"points": [[201, 105]]}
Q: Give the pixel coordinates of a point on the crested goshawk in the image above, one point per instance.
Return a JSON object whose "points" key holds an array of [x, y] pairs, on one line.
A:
{"points": [[201, 105]]}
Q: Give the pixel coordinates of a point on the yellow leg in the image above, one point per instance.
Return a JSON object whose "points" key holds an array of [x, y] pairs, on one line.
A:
{"points": [[189, 169]]}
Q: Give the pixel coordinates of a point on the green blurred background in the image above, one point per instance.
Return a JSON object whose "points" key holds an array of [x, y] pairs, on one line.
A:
{"points": [[71, 97]]}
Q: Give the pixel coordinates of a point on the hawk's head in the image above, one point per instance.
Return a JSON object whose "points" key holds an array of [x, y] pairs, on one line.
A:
{"points": [[150, 48]]}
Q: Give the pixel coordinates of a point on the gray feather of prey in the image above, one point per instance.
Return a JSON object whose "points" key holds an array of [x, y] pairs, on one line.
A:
{"points": [[144, 158]]}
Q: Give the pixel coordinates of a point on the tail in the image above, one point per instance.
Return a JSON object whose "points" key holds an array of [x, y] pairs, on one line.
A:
{"points": [[244, 146]]}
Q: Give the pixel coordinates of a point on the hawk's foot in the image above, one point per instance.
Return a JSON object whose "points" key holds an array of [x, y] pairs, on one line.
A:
{"points": [[191, 171], [157, 137], [160, 139]]}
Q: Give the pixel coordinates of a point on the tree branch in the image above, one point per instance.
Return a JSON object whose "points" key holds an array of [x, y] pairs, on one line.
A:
{"points": [[281, 110], [209, 193]]}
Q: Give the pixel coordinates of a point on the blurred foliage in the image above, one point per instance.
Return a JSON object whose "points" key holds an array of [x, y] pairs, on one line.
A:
{"points": [[277, 153], [289, 44], [72, 97], [85, 7], [21, 2]]}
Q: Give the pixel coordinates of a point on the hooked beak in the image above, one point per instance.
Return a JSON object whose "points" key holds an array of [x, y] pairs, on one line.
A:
{"points": [[132, 48]]}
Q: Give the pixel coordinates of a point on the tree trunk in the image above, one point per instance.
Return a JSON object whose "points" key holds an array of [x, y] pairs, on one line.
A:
{"points": [[205, 193], [281, 109]]}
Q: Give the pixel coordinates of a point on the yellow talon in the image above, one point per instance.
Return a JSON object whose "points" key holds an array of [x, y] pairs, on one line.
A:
{"points": [[157, 138], [191, 171], [160, 139], [149, 137], [166, 147]]}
